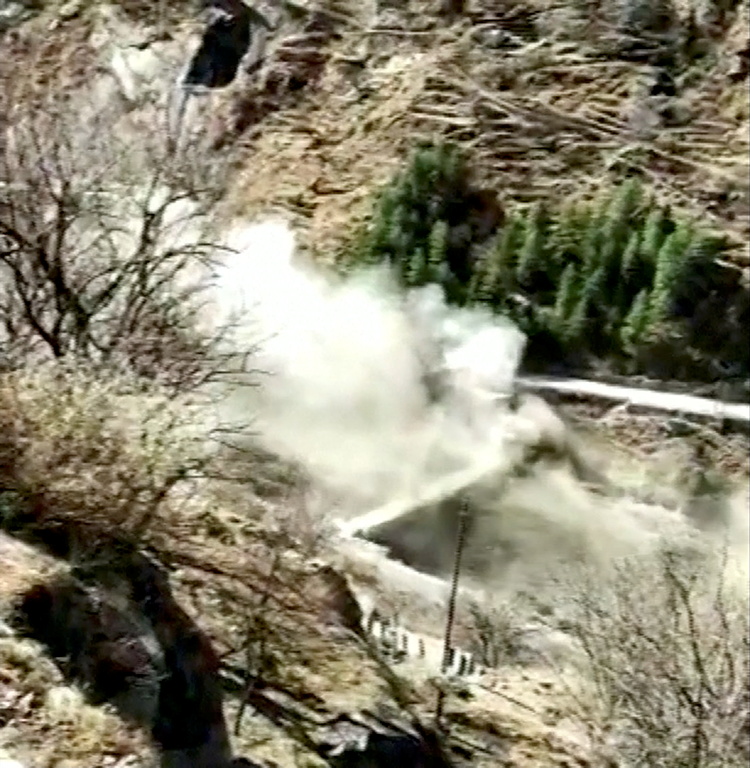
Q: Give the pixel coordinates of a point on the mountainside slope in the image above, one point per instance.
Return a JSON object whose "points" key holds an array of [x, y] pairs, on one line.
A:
{"points": [[545, 105]]}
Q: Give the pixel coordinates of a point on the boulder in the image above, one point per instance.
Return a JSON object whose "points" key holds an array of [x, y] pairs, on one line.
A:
{"points": [[127, 642]]}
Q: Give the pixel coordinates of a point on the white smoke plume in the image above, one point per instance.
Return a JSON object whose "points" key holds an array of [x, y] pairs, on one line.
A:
{"points": [[344, 361], [343, 393]]}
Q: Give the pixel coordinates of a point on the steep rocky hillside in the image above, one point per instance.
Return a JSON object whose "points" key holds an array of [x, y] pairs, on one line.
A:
{"points": [[171, 597], [554, 99], [547, 102]]}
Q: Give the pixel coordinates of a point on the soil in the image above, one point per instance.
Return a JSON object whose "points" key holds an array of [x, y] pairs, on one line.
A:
{"points": [[646, 435], [553, 117]]}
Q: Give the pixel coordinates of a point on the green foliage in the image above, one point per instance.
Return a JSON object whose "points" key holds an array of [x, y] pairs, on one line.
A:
{"points": [[631, 268], [494, 277], [416, 272], [670, 263], [531, 258], [655, 232], [636, 322], [437, 253], [421, 222], [567, 295], [575, 326], [593, 288], [604, 279], [620, 215]]}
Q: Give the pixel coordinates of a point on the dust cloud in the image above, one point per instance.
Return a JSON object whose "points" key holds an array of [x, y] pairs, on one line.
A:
{"points": [[394, 402], [344, 363]]}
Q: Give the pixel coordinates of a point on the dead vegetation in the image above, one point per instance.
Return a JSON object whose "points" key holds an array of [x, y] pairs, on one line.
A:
{"points": [[79, 449], [105, 239], [48, 724], [285, 627], [93, 456], [666, 654], [551, 114]]}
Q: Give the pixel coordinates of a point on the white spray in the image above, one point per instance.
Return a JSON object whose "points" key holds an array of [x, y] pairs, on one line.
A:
{"points": [[342, 392]]}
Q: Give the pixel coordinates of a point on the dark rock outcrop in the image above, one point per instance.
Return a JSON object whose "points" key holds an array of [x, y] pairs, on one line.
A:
{"points": [[119, 632], [225, 42], [333, 592], [368, 742]]}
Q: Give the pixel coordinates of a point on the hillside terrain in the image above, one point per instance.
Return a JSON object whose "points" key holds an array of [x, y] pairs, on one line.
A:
{"points": [[552, 106], [261, 403], [539, 93]]}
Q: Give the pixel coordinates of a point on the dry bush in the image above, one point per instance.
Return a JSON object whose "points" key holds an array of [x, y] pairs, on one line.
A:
{"points": [[76, 448], [497, 632], [666, 652]]}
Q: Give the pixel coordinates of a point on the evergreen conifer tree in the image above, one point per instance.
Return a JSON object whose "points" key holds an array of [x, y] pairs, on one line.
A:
{"points": [[693, 279], [591, 242], [636, 322], [593, 289], [399, 247], [498, 276], [620, 221], [416, 270], [630, 267], [575, 328], [564, 237], [479, 270], [567, 294], [423, 173], [631, 276], [653, 234], [669, 266], [437, 250], [531, 257]]}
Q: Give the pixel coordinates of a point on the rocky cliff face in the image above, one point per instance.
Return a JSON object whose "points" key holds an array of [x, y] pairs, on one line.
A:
{"points": [[121, 636]]}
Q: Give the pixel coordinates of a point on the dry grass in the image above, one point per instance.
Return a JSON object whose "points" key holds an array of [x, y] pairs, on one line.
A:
{"points": [[46, 724], [43, 722], [99, 452], [551, 119]]}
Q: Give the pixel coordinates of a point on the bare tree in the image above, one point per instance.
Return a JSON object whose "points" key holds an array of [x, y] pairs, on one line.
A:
{"points": [[666, 652], [498, 631], [105, 239]]}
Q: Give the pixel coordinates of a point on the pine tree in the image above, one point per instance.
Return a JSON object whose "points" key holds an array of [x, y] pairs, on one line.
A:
{"points": [[591, 243], [531, 258], [399, 247], [631, 276], [567, 293], [437, 250], [499, 269], [373, 242], [653, 235], [481, 265], [416, 270], [593, 289], [423, 173], [564, 237], [575, 327], [490, 279], [694, 277], [412, 213], [636, 322], [669, 266], [620, 221], [630, 267]]}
